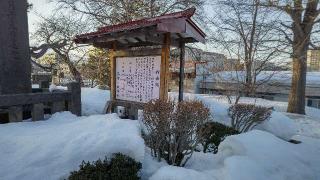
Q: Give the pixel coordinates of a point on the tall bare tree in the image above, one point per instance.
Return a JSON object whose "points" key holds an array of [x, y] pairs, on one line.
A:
{"points": [[106, 12], [304, 16], [245, 31]]}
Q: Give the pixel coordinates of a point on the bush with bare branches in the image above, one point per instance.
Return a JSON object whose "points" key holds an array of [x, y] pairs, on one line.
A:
{"points": [[244, 117], [171, 129]]}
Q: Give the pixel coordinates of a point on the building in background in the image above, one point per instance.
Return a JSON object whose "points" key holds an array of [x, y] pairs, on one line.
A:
{"points": [[313, 60], [277, 87], [195, 60]]}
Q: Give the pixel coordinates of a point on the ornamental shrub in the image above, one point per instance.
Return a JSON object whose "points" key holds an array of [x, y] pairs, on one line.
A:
{"points": [[120, 167], [171, 129], [213, 133], [244, 117]]}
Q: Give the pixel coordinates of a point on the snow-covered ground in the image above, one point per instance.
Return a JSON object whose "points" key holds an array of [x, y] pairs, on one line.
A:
{"points": [[51, 149]]}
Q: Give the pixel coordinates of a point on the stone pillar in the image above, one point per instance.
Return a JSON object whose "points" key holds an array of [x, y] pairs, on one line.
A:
{"points": [[37, 112], [15, 65], [15, 114], [74, 105]]}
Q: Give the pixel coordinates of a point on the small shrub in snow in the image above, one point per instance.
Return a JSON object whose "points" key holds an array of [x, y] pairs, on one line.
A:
{"points": [[244, 117], [213, 133], [171, 129], [120, 167]]}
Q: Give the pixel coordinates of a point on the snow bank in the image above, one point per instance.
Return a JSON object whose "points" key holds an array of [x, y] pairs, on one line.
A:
{"points": [[279, 125], [179, 173], [260, 155], [51, 149], [251, 156], [93, 100]]}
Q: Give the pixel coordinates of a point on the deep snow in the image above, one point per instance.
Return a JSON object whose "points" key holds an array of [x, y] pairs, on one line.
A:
{"points": [[51, 149]]}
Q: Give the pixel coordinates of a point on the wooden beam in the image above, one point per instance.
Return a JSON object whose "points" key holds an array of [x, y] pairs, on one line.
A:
{"points": [[193, 33], [164, 75], [140, 52], [181, 72]]}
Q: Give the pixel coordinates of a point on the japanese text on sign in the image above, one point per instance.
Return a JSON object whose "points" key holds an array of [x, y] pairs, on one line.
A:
{"points": [[138, 78]]}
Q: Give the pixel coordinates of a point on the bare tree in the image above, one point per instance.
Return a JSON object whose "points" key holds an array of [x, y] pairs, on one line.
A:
{"points": [[246, 31], [56, 32], [304, 16], [106, 12]]}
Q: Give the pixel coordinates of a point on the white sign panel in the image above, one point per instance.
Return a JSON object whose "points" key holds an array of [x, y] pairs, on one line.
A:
{"points": [[138, 78]]}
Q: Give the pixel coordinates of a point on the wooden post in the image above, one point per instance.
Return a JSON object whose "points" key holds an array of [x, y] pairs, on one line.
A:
{"points": [[164, 75], [37, 112], [15, 114], [74, 105], [113, 77], [181, 72]]}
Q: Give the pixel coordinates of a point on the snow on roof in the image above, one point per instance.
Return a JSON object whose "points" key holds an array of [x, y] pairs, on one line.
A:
{"points": [[284, 77]]}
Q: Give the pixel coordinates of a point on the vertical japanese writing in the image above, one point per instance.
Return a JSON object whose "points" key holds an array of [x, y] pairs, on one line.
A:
{"points": [[138, 78]]}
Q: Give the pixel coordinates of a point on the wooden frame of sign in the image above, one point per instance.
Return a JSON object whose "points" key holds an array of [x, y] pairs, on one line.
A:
{"points": [[133, 106]]}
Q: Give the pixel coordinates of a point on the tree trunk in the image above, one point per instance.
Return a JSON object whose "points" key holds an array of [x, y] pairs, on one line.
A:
{"points": [[248, 80], [75, 73], [73, 70], [296, 102]]}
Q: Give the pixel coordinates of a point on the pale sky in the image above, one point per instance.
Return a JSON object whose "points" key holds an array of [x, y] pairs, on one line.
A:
{"points": [[42, 7], [45, 8]]}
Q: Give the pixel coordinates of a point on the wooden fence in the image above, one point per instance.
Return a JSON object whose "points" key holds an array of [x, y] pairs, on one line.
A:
{"points": [[64, 100]]}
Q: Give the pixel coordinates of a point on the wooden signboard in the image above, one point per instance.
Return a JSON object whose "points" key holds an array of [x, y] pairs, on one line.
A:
{"points": [[138, 78]]}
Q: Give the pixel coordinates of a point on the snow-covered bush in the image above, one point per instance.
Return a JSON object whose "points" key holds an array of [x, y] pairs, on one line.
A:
{"points": [[172, 129], [120, 167], [244, 117], [213, 133]]}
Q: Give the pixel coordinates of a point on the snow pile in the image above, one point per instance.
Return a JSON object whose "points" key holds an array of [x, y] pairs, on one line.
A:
{"points": [[251, 156], [51, 149], [260, 155], [53, 87], [279, 125], [179, 173], [93, 100]]}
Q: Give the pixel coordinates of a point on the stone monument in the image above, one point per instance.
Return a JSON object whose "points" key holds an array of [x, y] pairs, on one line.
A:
{"points": [[15, 65]]}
